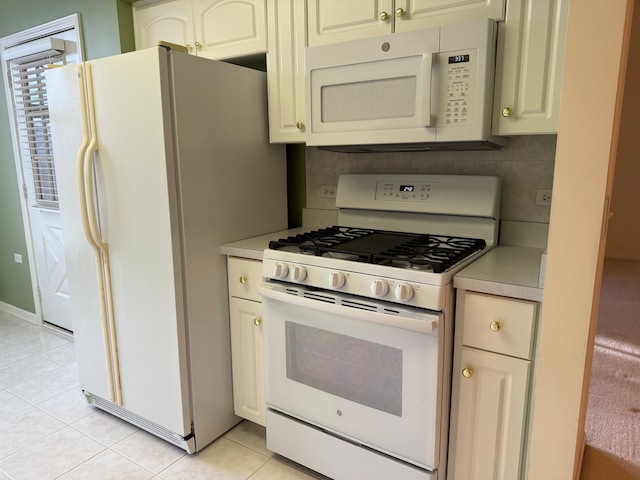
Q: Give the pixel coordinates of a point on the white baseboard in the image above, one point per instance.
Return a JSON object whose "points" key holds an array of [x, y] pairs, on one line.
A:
{"points": [[21, 314]]}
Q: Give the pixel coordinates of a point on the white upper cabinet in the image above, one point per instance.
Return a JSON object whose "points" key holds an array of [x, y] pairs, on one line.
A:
{"points": [[285, 70], [529, 67], [415, 14], [332, 21], [210, 28], [169, 21]]}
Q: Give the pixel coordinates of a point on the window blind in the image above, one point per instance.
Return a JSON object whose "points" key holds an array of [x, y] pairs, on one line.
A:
{"points": [[26, 75]]}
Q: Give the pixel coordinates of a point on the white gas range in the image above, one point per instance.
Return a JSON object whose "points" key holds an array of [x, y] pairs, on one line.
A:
{"points": [[358, 324]]}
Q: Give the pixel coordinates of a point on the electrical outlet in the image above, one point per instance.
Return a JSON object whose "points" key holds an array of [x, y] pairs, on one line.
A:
{"points": [[543, 197], [328, 191], [17, 258]]}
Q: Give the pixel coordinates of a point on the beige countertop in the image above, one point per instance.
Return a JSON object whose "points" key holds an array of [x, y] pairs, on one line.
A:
{"points": [[253, 247], [509, 271]]}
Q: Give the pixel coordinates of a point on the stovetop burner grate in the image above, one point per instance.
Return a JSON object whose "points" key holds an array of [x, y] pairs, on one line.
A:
{"points": [[427, 252]]}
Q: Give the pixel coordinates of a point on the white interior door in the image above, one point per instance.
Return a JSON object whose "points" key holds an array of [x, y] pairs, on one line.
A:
{"points": [[24, 65], [48, 246]]}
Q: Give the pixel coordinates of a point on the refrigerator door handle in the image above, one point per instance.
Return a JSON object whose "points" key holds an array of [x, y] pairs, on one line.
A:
{"points": [[92, 232], [80, 157]]}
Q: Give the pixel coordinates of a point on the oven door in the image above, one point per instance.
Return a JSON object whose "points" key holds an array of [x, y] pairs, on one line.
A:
{"points": [[367, 371]]}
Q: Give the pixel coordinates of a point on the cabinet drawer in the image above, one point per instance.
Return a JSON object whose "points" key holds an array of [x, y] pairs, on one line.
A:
{"points": [[244, 277], [498, 324]]}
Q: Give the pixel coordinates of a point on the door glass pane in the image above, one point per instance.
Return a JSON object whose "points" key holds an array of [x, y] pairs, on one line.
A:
{"points": [[358, 370], [32, 121]]}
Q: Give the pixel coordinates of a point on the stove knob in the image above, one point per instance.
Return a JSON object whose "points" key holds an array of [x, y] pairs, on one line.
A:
{"points": [[379, 288], [280, 270], [336, 279], [298, 273], [403, 292]]}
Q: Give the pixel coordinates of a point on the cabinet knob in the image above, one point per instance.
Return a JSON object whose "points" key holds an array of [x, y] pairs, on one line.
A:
{"points": [[383, 16], [189, 48], [257, 321], [198, 45], [467, 372], [299, 125], [506, 112], [243, 279], [400, 12], [495, 326]]}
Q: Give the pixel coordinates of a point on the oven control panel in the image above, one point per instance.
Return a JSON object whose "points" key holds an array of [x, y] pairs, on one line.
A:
{"points": [[408, 291], [403, 191]]}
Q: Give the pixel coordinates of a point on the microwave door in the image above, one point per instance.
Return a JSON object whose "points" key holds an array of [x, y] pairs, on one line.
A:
{"points": [[355, 103]]}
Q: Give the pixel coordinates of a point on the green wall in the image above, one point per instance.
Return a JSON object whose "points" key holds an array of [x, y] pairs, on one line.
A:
{"points": [[107, 29]]}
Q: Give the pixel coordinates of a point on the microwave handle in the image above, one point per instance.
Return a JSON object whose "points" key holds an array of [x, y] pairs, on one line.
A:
{"points": [[427, 119]]}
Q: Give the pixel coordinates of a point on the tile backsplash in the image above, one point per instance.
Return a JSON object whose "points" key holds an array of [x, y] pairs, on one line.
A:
{"points": [[525, 165]]}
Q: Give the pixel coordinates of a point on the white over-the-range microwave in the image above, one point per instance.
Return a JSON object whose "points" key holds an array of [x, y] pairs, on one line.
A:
{"points": [[421, 90]]}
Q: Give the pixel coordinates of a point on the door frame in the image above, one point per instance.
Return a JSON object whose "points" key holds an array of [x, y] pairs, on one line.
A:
{"points": [[588, 135], [47, 29]]}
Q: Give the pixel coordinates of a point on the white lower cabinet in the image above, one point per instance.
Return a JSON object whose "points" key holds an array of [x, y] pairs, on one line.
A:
{"points": [[491, 369], [245, 315], [490, 392]]}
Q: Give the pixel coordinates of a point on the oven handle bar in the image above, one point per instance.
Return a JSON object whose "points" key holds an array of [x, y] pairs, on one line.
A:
{"points": [[427, 323]]}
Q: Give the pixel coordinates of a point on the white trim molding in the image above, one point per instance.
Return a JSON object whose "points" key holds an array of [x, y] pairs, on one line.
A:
{"points": [[19, 313]]}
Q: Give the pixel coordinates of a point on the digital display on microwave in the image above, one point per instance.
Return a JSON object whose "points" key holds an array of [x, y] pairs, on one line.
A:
{"points": [[459, 58], [407, 188]]}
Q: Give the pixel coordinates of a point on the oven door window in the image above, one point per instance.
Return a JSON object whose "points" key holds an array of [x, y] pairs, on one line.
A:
{"points": [[357, 370]]}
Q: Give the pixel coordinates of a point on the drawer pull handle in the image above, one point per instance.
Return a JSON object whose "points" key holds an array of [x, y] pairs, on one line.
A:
{"points": [[467, 372], [243, 279], [495, 326], [257, 321]]}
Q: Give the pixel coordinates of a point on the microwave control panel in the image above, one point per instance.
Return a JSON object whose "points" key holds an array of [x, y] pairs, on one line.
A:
{"points": [[458, 87]]}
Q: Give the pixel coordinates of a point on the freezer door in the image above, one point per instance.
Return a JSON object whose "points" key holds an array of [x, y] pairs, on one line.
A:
{"points": [[67, 137]]}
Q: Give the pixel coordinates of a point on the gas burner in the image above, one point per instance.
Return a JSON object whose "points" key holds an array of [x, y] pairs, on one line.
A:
{"points": [[425, 252]]}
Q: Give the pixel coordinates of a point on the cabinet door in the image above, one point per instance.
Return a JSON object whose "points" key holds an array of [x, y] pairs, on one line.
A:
{"points": [[230, 28], [416, 14], [332, 21], [285, 70], [246, 358], [169, 21], [488, 416], [529, 67]]}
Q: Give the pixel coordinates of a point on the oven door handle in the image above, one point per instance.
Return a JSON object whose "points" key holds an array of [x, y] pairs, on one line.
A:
{"points": [[423, 323]]}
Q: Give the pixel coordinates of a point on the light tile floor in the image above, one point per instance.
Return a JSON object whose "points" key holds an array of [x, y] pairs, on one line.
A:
{"points": [[48, 431]]}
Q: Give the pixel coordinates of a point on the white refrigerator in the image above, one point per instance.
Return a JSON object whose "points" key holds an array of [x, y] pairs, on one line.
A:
{"points": [[161, 157]]}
